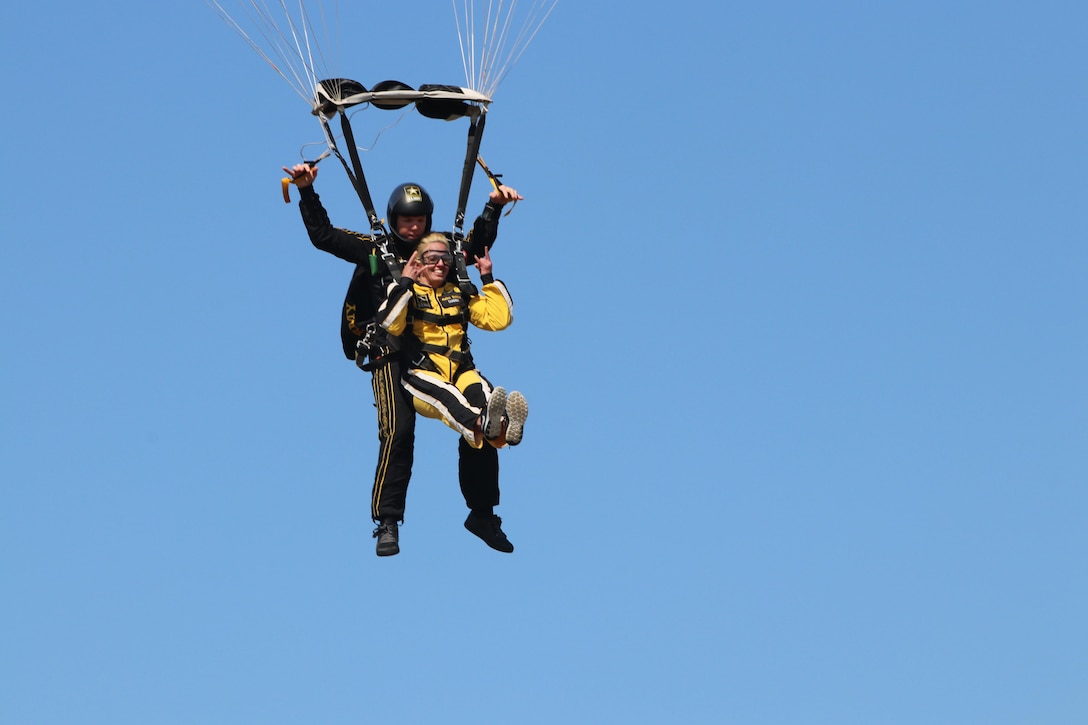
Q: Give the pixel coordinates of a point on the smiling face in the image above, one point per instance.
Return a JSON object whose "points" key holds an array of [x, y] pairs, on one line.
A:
{"points": [[436, 259]]}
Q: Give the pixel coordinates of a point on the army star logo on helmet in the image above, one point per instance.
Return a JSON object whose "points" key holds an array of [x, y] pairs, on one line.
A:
{"points": [[413, 194]]}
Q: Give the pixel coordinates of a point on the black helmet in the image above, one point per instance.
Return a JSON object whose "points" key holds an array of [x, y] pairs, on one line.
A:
{"points": [[409, 200]]}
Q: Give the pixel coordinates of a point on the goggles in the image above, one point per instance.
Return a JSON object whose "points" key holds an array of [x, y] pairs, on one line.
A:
{"points": [[433, 258]]}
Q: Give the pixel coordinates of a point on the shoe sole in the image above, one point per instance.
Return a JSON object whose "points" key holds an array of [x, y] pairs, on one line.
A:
{"points": [[517, 411], [496, 404]]}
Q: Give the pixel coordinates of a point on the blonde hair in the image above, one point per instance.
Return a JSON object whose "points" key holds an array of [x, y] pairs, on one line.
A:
{"points": [[430, 239]]}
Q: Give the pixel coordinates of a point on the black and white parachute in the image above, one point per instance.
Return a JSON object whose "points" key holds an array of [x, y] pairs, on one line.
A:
{"points": [[297, 39]]}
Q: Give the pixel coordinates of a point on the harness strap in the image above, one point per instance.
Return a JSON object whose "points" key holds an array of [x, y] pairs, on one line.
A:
{"points": [[458, 356], [377, 359], [440, 320]]}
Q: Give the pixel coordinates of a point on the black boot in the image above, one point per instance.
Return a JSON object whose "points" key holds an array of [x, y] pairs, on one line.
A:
{"points": [[488, 527], [387, 537]]}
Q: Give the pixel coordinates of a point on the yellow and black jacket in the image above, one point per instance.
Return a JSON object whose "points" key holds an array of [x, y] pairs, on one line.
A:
{"points": [[437, 321]]}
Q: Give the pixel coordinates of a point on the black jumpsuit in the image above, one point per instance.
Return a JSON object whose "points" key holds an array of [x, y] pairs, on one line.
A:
{"points": [[478, 468]]}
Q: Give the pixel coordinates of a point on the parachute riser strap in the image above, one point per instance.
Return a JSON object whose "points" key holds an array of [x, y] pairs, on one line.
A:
{"points": [[358, 182], [360, 187], [475, 137], [355, 175]]}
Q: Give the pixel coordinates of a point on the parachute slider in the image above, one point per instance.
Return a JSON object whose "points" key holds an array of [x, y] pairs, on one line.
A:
{"points": [[444, 103]]}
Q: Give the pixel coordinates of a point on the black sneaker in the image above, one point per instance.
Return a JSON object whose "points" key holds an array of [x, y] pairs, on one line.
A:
{"points": [[489, 528], [386, 534]]}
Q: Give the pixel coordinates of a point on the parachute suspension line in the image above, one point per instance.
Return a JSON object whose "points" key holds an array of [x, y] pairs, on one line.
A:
{"points": [[527, 31], [494, 38], [292, 39], [310, 37], [306, 31], [304, 41], [294, 51], [465, 57], [499, 49], [225, 16]]}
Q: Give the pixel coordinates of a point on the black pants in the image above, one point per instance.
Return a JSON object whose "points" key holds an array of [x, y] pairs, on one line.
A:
{"points": [[477, 469]]}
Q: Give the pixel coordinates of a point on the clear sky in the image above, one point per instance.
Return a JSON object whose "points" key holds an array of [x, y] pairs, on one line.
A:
{"points": [[800, 316]]}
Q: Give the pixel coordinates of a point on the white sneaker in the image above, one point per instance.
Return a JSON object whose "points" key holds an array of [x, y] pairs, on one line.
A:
{"points": [[517, 410], [496, 405]]}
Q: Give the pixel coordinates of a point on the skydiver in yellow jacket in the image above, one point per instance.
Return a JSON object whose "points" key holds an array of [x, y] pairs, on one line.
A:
{"points": [[433, 316]]}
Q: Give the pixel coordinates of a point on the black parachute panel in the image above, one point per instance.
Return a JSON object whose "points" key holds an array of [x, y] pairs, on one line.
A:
{"points": [[391, 105], [444, 109]]}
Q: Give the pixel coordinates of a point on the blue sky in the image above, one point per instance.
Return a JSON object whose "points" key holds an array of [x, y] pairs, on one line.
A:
{"points": [[800, 319]]}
